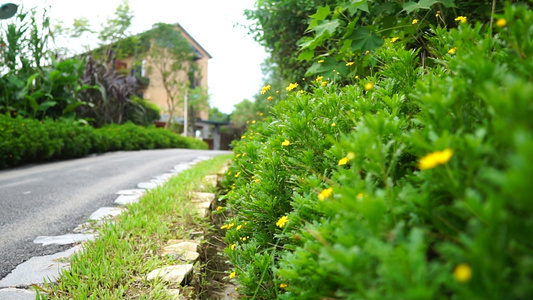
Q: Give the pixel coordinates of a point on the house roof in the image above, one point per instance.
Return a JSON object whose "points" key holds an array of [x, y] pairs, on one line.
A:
{"points": [[195, 43]]}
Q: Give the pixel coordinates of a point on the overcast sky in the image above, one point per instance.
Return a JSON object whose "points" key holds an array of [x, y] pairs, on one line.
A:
{"points": [[235, 69]]}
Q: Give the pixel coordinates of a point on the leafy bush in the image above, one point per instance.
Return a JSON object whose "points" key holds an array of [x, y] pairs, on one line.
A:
{"points": [[25, 141], [411, 184]]}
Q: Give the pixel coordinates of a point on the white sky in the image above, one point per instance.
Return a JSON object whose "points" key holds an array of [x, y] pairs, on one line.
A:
{"points": [[234, 71]]}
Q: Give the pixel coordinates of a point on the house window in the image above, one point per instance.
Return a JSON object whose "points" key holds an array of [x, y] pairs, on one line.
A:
{"points": [[143, 69]]}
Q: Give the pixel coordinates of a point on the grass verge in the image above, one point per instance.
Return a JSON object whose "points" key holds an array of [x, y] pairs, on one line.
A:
{"points": [[115, 265]]}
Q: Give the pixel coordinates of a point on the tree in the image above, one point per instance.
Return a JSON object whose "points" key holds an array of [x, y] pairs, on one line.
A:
{"points": [[172, 58], [216, 115], [244, 112]]}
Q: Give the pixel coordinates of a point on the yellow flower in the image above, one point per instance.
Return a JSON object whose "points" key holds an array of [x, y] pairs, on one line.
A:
{"points": [[320, 61], [323, 83], [369, 86], [230, 225], [414, 21], [283, 285], [238, 174], [232, 246], [333, 124], [265, 89], [350, 155], [434, 159], [394, 39], [462, 273], [325, 194], [452, 51], [243, 137], [349, 63], [232, 275], [282, 221], [253, 122], [343, 161], [291, 86], [286, 143], [257, 180], [244, 154], [501, 23], [239, 227], [229, 173], [359, 196], [219, 208], [319, 78], [224, 226], [461, 19], [270, 98], [438, 14]]}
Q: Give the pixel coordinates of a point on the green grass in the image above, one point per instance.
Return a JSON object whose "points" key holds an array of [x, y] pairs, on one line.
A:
{"points": [[115, 265]]}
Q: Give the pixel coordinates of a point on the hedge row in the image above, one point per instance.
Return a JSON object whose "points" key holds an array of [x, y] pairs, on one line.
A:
{"points": [[25, 141], [413, 184]]}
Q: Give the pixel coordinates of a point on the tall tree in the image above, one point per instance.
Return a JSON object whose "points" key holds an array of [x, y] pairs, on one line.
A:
{"points": [[172, 58]]}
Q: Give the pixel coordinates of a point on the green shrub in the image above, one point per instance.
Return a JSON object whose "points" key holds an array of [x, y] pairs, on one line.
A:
{"points": [[25, 141], [412, 184]]}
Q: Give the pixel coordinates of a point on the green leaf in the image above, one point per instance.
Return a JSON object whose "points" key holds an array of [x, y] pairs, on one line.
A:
{"points": [[326, 26], [365, 40], [356, 5], [30, 80], [307, 55], [321, 13], [33, 103], [422, 4], [46, 105], [73, 106]]}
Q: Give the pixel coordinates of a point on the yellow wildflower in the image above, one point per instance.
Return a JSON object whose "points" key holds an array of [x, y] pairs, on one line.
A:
{"points": [[286, 143], [230, 225], [243, 137], [291, 86], [434, 159], [394, 39], [350, 155], [501, 23], [452, 51], [369, 86], [232, 246], [219, 208], [319, 78], [283, 285], [349, 63], [438, 14], [229, 173], [320, 61], [414, 21], [239, 227], [325, 194], [282, 221], [265, 89], [257, 180], [359, 196], [343, 161], [461, 19], [324, 83], [244, 154], [224, 226], [232, 275], [462, 273], [270, 98], [238, 174], [333, 124]]}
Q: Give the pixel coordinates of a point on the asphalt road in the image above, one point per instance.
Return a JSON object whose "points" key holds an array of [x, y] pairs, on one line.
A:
{"points": [[52, 199]]}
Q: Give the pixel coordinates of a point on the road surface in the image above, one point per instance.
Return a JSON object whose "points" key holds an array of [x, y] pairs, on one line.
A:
{"points": [[52, 199]]}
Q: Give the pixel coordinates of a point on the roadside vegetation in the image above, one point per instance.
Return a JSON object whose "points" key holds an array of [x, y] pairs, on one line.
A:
{"points": [[400, 167], [115, 265]]}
